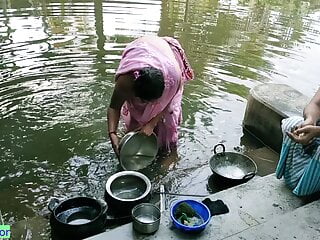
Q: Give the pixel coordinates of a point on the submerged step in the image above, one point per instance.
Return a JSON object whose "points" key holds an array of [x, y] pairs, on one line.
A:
{"points": [[267, 105]]}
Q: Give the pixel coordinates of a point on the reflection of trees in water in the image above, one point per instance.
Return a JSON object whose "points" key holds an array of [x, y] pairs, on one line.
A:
{"points": [[63, 67], [215, 36], [234, 38]]}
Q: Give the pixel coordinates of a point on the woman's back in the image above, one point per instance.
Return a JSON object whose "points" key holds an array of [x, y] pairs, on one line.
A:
{"points": [[160, 47]]}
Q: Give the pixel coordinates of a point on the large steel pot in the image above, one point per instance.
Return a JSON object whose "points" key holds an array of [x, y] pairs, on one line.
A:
{"points": [[126, 189], [137, 150], [232, 166], [77, 218]]}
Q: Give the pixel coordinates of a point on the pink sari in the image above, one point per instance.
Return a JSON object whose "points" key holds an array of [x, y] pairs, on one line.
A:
{"points": [[140, 54]]}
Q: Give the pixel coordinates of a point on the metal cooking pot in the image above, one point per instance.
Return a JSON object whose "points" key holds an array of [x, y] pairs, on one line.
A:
{"points": [[146, 218], [77, 218], [232, 166], [126, 189], [137, 150]]}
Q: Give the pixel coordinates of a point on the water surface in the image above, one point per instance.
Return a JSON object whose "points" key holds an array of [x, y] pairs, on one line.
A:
{"points": [[57, 61]]}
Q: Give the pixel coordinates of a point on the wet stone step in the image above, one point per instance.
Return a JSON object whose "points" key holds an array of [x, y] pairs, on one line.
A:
{"points": [[302, 223], [250, 205]]}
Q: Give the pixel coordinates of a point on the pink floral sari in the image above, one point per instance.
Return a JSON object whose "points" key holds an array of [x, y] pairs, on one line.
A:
{"points": [[140, 54]]}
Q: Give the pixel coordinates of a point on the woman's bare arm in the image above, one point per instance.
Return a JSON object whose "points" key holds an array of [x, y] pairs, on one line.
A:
{"points": [[122, 92], [114, 109], [149, 127], [311, 112]]}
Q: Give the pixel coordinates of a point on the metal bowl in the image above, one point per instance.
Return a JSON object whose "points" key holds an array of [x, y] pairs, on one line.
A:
{"points": [[126, 189], [137, 150], [146, 218]]}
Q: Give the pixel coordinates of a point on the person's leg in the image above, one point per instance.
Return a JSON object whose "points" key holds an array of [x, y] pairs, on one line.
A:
{"points": [[309, 183]]}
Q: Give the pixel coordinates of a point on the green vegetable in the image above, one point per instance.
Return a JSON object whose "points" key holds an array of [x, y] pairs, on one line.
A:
{"points": [[186, 209]]}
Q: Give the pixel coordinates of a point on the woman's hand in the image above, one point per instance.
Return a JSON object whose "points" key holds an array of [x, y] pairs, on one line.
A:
{"points": [[305, 134], [308, 121], [147, 129], [115, 143]]}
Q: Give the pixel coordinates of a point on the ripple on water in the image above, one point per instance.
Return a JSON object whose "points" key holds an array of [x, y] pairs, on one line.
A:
{"points": [[57, 63]]}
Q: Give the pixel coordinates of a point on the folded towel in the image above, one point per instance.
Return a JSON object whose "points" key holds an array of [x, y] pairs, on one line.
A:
{"points": [[216, 207]]}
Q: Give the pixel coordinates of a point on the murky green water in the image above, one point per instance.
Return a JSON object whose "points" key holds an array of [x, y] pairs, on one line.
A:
{"points": [[57, 60]]}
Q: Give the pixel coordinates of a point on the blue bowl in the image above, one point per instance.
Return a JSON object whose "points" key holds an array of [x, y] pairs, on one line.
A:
{"points": [[201, 209]]}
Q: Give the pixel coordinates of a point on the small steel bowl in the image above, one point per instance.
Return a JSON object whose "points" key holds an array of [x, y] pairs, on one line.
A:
{"points": [[126, 189], [146, 218], [137, 150]]}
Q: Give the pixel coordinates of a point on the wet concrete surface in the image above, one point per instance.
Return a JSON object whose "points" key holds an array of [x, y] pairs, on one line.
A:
{"points": [[254, 205], [302, 223], [202, 182]]}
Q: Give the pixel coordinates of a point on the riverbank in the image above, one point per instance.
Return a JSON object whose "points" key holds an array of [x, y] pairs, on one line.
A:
{"points": [[263, 208]]}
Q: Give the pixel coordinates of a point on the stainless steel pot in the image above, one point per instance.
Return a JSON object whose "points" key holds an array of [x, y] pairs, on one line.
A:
{"points": [[126, 189], [125, 139], [146, 218], [137, 150]]}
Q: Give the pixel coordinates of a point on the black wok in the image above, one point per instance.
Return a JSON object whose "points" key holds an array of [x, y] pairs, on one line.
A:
{"points": [[232, 166]]}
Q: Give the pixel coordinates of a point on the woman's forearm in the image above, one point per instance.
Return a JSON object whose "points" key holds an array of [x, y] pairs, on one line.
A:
{"points": [[312, 110], [113, 119], [119, 96], [148, 128], [154, 121], [317, 134]]}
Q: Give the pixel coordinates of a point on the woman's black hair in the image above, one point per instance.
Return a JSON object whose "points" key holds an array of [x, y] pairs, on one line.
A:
{"points": [[149, 84]]}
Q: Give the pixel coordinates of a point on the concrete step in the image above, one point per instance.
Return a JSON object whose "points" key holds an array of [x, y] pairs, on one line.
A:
{"points": [[302, 223], [267, 105], [250, 205]]}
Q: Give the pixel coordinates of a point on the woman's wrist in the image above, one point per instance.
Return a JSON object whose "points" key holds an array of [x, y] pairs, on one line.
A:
{"points": [[310, 120], [113, 133], [154, 122]]}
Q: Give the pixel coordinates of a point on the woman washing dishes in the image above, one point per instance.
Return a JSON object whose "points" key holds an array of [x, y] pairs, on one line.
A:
{"points": [[299, 162], [148, 90]]}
